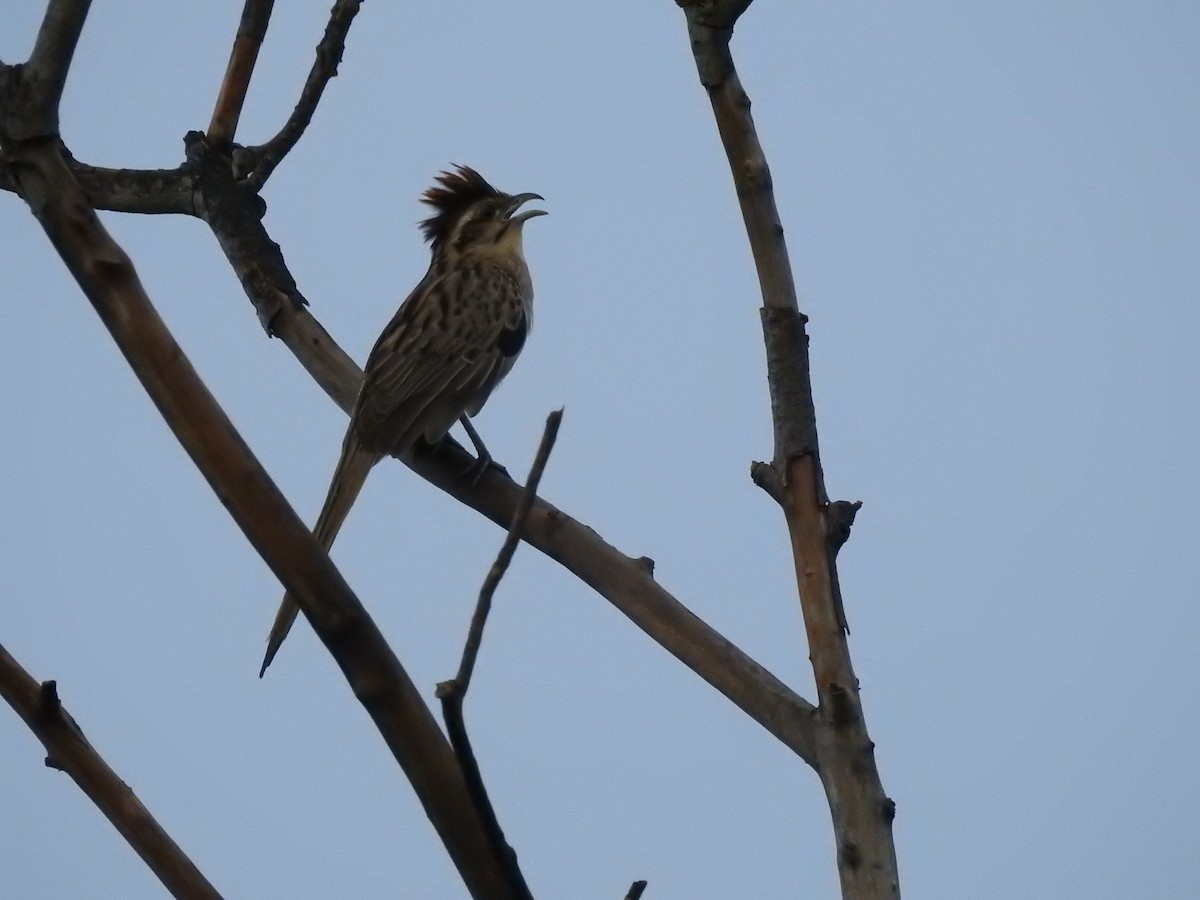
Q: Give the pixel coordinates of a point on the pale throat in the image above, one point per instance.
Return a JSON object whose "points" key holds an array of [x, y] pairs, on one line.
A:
{"points": [[508, 244]]}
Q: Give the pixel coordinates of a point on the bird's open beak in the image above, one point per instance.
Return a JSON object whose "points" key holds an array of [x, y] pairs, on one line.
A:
{"points": [[518, 201]]}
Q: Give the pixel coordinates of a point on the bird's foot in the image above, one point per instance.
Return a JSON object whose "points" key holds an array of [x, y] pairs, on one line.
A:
{"points": [[476, 469]]}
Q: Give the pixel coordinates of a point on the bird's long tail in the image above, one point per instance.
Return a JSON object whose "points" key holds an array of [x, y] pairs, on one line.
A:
{"points": [[352, 468]]}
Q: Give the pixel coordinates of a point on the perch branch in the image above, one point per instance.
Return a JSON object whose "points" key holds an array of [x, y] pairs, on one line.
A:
{"points": [[69, 751], [627, 583]]}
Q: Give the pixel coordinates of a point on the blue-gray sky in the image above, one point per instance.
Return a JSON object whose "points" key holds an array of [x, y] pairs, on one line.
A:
{"points": [[994, 213]]}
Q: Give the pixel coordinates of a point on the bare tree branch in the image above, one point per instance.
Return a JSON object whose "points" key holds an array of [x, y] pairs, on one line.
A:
{"points": [[215, 186], [46, 72], [69, 751], [452, 693], [862, 813], [234, 211], [329, 55], [151, 191], [146, 191], [256, 16], [636, 890], [462, 681], [627, 583]]}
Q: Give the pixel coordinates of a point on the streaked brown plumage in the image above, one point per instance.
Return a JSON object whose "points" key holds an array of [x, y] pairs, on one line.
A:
{"points": [[447, 347]]}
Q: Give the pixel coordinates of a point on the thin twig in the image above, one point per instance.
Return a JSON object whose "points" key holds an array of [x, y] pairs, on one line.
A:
{"points": [[507, 550], [256, 16], [329, 55], [69, 751], [453, 692]]}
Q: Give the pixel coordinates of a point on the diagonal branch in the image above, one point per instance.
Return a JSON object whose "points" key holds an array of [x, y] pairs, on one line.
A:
{"points": [[627, 583], [329, 55], [69, 751], [234, 211], [256, 16]]}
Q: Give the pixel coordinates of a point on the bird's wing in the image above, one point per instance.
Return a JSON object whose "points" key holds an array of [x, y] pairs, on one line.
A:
{"points": [[443, 353]]}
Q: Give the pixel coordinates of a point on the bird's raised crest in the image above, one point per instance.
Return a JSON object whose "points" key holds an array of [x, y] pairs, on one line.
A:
{"points": [[453, 194]]}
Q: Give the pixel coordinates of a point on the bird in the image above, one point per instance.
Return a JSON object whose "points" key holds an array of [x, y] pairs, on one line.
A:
{"points": [[445, 350]]}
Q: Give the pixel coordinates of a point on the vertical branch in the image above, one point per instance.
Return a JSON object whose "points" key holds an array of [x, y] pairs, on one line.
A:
{"points": [[454, 692], [862, 814], [45, 74], [329, 54], [508, 549], [256, 16]]}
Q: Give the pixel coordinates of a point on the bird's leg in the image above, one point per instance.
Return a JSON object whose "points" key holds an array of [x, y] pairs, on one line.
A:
{"points": [[481, 451]]}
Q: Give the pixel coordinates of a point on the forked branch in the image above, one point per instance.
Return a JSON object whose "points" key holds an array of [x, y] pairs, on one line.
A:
{"points": [[45, 74], [329, 55]]}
